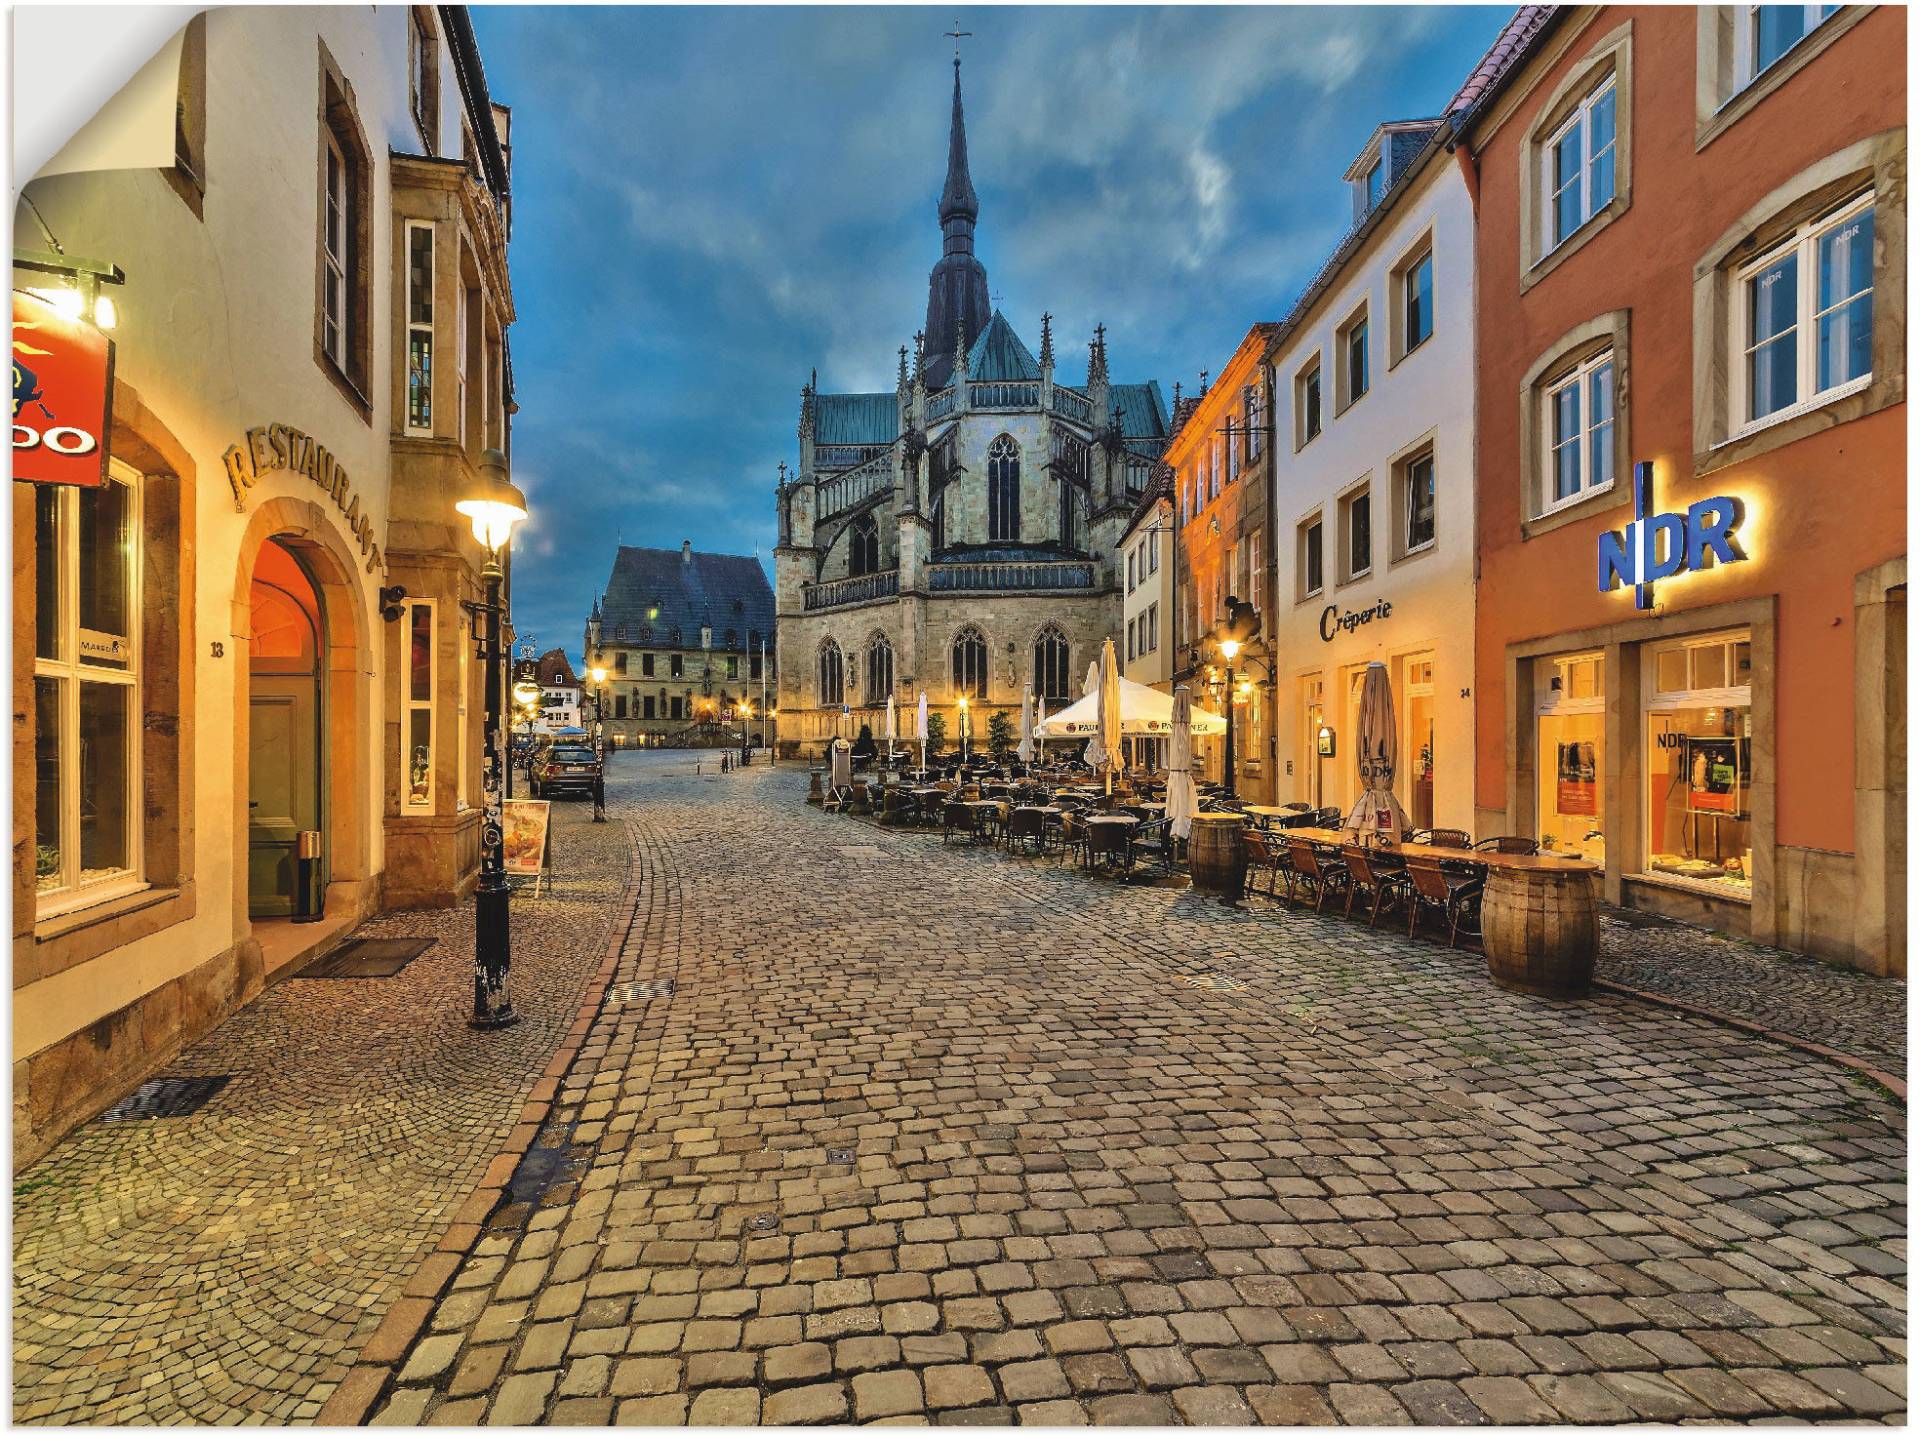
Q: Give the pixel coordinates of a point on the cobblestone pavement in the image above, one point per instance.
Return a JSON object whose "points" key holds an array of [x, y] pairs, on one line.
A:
{"points": [[227, 1266], [870, 1129], [1851, 1012]]}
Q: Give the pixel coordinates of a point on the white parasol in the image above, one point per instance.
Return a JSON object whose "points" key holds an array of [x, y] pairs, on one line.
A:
{"points": [[1026, 724], [892, 732], [1110, 710], [1182, 798], [920, 731], [1095, 755], [1378, 814], [1144, 713]]}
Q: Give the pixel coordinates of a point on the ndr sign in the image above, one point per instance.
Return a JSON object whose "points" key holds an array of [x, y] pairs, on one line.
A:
{"points": [[62, 394], [1656, 546]]}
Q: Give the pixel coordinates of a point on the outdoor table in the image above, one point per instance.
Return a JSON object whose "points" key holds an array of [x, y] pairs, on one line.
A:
{"points": [[1265, 817], [1537, 919]]}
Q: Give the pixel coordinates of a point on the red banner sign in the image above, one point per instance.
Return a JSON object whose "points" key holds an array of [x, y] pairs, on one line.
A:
{"points": [[62, 396]]}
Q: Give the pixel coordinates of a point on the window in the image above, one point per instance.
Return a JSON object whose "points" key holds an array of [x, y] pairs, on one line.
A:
{"points": [[646, 665], [676, 706], [419, 328], [1579, 157], [1003, 490], [416, 708], [1233, 452], [1356, 527], [1417, 302], [1133, 633], [1765, 33], [1312, 572], [970, 664], [879, 668], [1153, 553], [733, 665], [647, 706], [86, 682], [1153, 626], [1699, 761], [1066, 514], [1052, 671], [1255, 396], [333, 255], [619, 705], [1307, 403], [676, 665], [1133, 569], [1256, 576], [423, 74], [461, 319], [1213, 470], [188, 176], [1804, 317], [1417, 503], [1351, 344], [462, 790], [833, 689], [1369, 187], [863, 546], [1579, 438], [342, 335], [620, 662]]}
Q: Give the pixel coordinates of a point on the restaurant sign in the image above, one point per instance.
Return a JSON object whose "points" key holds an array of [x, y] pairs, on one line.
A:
{"points": [[62, 396], [1333, 621], [1656, 546], [280, 447]]}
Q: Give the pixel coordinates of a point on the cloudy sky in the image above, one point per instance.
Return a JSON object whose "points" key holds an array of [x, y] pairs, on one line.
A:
{"points": [[710, 202]]}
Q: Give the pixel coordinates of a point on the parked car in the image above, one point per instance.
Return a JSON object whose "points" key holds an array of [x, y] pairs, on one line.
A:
{"points": [[565, 768]]}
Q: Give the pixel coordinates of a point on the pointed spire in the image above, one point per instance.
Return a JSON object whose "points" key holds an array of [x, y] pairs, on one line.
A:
{"points": [[958, 200], [960, 350], [1097, 356], [1176, 396], [919, 355], [901, 382], [806, 409], [1046, 341]]}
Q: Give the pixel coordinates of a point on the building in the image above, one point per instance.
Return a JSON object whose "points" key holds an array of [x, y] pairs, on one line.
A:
{"points": [[1146, 607], [1691, 623], [1373, 486], [560, 692], [244, 647], [686, 639], [1222, 457], [958, 535]]}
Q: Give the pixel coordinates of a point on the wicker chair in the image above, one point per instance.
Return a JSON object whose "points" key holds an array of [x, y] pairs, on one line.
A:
{"points": [[1328, 818], [1443, 838], [896, 807], [1513, 847], [1322, 876], [1448, 891], [1026, 829], [1107, 845], [1153, 841], [957, 819], [1073, 835]]}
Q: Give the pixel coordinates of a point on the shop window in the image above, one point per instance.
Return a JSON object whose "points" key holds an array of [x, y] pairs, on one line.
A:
{"points": [[1306, 404], [1699, 762], [1416, 728], [1353, 373], [416, 707], [419, 328], [87, 692], [1803, 318], [1570, 718]]}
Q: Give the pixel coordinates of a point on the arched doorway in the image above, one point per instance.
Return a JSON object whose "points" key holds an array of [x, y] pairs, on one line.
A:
{"points": [[286, 715]]}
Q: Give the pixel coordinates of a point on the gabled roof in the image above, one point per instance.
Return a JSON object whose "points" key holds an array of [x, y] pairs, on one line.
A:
{"points": [[1158, 492], [554, 671], [856, 418], [654, 591], [999, 354], [1509, 47], [1143, 413]]}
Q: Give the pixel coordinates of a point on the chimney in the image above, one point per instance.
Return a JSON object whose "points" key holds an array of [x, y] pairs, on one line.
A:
{"points": [[686, 550]]}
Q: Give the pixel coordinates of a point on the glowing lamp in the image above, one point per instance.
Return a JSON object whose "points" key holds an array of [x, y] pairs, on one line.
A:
{"points": [[1229, 649], [497, 506], [526, 693], [598, 674]]}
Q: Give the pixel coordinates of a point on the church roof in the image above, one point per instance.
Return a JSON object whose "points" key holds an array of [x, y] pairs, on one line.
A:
{"points": [[856, 418], [1143, 413], [658, 590], [999, 354]]}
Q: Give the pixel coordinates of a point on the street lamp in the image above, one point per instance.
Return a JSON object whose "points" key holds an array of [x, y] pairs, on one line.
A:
{"points": [[493, 510], [598, 674], [746, 749]]}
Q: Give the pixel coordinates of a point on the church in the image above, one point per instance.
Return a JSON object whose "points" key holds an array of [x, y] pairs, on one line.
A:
{"points": [[959, 535]]}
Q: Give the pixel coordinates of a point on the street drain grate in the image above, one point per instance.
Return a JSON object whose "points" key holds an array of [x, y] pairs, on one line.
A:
{"points": [[861, 852], [839, 1156], [764, 1221], [1211, 982], [632, 994], [369, 957], [165, 1097]]}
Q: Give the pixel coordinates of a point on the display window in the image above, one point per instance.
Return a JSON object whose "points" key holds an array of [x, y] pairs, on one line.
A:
{"points": [[1416, 738], [1570, 718], [1699, 762]]}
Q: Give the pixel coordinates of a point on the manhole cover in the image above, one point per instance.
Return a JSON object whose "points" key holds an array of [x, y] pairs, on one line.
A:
{"points": [[861, 852], [764, 1221], [165, 1097], [369, 957], [629, 994], [1211, 982]]}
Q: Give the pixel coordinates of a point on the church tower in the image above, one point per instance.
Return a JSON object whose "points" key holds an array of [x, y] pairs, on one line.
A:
{"points": [[957, 301]]}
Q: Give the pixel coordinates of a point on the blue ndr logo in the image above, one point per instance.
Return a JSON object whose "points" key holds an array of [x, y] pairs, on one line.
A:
{"points": [[1656, 546]]}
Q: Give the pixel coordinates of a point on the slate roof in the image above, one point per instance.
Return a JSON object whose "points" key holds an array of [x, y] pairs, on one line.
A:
{"points": [[1508, 48], [1143, 413], [554, 671], [999, 354], [690, 590], [856, 418]]}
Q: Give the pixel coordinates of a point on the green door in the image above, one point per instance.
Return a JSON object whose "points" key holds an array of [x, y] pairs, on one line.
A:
{"points": [[283, 745]]}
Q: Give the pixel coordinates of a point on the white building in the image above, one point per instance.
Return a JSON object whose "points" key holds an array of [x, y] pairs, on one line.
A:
{"points": [[1373, 513]]}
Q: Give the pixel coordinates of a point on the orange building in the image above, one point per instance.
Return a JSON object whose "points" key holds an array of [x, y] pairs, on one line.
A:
{"points": [[1221, 455], [1691, 371]]}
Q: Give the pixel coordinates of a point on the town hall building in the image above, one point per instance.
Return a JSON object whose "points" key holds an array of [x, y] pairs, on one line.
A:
{"points": [[958, 535]]}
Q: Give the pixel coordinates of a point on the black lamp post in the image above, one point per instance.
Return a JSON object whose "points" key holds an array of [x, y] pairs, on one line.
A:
{"points": [[494, 510], [1234, 632], [598, 674]]}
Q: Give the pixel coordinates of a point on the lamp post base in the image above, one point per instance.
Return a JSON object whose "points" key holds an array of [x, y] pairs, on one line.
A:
{"points": [[492, 957]]}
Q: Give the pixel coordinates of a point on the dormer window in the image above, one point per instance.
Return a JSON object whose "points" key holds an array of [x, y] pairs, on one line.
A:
{"points": [[1375, 182], [1369, 180]]}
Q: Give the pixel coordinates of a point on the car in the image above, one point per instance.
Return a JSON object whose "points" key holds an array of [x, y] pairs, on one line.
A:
{"points": [[565, 768]]}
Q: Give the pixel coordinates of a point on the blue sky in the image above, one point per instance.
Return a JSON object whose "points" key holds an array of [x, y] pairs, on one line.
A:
{"points": [[708, 203]]}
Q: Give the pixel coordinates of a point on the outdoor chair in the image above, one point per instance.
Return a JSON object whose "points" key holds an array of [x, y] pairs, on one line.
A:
{"points": [[1107, 845], [1514, 847], [1298, 807], [1445, 838], [1153, 842], [896, 808], [1073, 835], [1263, 856], [1026, 829], [1318, 871], [958, 819], [1454, 896], [1328, 818], [1373, 877]]}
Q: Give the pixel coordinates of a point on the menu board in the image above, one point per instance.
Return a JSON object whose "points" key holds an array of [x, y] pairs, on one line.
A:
{"points": [[528, 836], [1577, 790]]}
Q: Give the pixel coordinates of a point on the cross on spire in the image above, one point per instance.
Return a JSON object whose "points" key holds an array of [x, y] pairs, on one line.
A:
{"points": [[956, 34]]}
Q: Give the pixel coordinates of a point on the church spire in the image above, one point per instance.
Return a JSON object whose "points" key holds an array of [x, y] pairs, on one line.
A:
{"points": [[957, 289], [958, 200]]}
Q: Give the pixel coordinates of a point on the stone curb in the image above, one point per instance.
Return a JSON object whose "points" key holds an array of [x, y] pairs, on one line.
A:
{"points": [[359, 1392], [1895, 1085]]}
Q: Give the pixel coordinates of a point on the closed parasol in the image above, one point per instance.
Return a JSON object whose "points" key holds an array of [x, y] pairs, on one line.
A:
{"points": [[1378, 815]]}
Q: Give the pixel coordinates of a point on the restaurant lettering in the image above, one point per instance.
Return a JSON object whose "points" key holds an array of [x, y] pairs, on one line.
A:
{"points": [[62, 396], [1333, 621], [278, 447], [1656, 546]]}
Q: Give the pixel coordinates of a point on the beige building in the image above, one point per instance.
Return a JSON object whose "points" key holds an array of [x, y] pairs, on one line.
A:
{"points": [[243, 692]]}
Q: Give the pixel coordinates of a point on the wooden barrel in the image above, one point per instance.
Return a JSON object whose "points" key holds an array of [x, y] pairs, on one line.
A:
{"points": [[814, 795], [1539, 930], [860, 803], [1216, 855]]}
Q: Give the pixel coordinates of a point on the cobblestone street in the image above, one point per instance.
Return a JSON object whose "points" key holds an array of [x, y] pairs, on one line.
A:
{"points": [[227, 1266], [868, 1128]]}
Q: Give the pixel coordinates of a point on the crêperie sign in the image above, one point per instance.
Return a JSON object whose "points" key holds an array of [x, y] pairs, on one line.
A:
{"points": [[1333, 622]]}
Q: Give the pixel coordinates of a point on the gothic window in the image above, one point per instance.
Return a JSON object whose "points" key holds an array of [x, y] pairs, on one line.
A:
{"points": [[833, 689], [863, 546], [879, 668], [1003, 490], [970, 664], [1051, 668]]}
